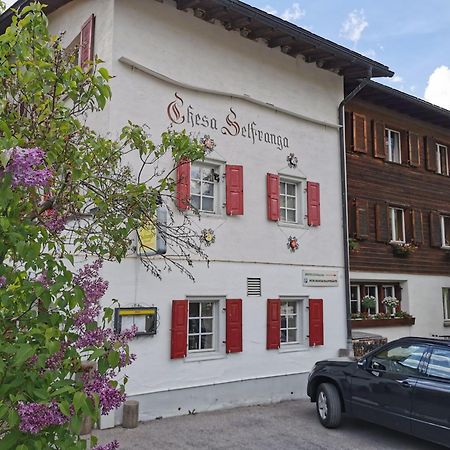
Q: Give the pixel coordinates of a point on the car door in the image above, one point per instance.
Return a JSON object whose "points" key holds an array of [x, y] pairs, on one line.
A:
{"points": [[382, 386], [430, 415]]}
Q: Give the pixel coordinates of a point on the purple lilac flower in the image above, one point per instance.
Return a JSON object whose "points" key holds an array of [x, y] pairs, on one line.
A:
{"points": [[56, 359], [110, 446], [55, 223], [23, 167], [34, 417], [2, 281], [44, 279], [110, 397]]}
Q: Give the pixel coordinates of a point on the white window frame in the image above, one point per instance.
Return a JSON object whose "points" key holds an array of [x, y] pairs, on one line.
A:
{"points": [[446, 305], [391, 151], [443, 217], [385, 287], [300, 201], [440, 149], [302, 323], [219, 329], [393, 219], [375, 287], [356, 300], [219, 185]]}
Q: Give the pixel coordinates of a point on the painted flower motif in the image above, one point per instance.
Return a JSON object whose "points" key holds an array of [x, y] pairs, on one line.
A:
{"points": [[208, 237], [208, 143], [292, 161], [292, 243]]}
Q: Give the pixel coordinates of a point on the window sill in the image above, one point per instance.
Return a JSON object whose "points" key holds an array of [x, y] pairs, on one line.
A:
{"points": [[195, 357], [393, 322], [290, 348], [291, 225]]}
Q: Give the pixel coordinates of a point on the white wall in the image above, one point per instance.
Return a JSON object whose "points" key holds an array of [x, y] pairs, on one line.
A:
{"points": [[421, 297], [180, 53]]}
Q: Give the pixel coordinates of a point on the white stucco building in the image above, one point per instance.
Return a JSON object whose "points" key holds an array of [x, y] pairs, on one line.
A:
{"points": [[253, 323]]}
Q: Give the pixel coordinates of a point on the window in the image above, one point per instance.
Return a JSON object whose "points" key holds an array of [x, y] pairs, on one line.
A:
{"points": [[442, 159], [202, 327], [291, 204], [403, 360], [291, 322], [439, 365], [397, 221], [355, 299], [379, 291], [204, 187], [445, 231], [393, 146], [446, 304]]}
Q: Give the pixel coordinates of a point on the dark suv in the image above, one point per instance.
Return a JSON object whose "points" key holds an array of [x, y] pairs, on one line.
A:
{"points": [[404, 385]]}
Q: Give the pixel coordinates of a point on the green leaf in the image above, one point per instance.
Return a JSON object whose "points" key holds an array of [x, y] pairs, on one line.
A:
{"points": [[24, 352], [79, 399]]}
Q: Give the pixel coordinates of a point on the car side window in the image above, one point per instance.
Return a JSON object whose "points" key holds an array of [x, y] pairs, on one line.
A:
{"points": [[439, 365], [403, 359]]}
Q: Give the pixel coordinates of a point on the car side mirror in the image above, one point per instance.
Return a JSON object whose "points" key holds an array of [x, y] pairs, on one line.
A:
{"points": [[362, 363]]}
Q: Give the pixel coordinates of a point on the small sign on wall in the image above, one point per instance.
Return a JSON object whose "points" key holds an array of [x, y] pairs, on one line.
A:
{"points": [[320, 278], [144, 318]]}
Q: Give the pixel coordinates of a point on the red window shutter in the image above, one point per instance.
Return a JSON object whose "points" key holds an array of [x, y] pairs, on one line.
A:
{"points": [[87, 41], [273, 197], [234, 326], [273, 323], [313, 193], [235, 190], [315, 322], [183, 184], [179, 329]]}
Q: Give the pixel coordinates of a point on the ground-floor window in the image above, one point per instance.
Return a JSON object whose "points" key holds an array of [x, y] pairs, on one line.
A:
{"points": [[202, 327], [291, 321], [370, 299], [446, 301]]}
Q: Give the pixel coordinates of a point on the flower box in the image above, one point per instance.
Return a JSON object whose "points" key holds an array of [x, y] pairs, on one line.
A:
{"points": [[392, 322]]}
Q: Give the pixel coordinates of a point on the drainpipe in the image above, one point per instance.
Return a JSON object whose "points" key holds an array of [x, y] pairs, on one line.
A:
{"points": [[346, 99]]}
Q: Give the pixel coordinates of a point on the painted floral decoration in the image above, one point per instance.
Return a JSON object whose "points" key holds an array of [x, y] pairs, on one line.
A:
{"points": [[292, 161], [207, 236], [208, 143], [292, 244]]}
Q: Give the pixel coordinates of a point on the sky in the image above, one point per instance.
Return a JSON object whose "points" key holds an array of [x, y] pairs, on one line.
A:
{"points": [[411, 37]]}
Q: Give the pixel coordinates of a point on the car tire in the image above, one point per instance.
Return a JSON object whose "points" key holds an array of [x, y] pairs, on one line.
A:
{"points": [[328, 405]]}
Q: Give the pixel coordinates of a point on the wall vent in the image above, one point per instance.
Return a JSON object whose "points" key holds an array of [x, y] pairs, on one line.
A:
{"points": [[254, 287]]}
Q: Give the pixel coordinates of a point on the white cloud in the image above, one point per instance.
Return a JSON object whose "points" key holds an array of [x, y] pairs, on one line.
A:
{"points": [[354, 26], [269, 9], [291, 14], [371, 53], [396, 79], [438, 87]]}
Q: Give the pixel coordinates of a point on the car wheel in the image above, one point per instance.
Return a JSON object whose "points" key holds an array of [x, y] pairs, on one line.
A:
{"points": [[328, 404]]}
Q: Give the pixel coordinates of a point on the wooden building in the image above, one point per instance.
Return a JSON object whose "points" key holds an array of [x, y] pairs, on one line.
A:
{"points": [[399, 212]]}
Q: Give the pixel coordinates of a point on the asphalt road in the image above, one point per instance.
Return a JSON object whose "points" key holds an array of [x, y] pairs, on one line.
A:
{"points": [[283, 426]]}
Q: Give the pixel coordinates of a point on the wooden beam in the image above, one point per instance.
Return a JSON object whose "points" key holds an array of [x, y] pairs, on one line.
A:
{"points": [[185, 4], [216, 13], [239, 23], [260, 32], [280, 41]]}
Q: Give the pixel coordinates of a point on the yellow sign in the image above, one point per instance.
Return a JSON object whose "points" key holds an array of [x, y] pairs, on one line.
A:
{"points": [[147, 237], [136, 312]]}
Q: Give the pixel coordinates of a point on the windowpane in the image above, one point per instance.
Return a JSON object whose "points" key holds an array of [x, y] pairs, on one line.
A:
{"points": [[446, 230], [208, 189], [290, 189], [289, 332], [194, 325], [354, 299], [207, 325], [290, 216], [393, 143], [193, 342], [194, 309], [208, 175], [195, 201], [292, 335], [439, 365], [207, 309], [207, 342], [403, 360], [289, 202], [446, 301], [207, 204], [195, 172], [397, 224]]}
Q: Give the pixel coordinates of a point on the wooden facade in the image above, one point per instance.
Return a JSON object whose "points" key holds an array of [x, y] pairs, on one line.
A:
{"points": [[376, 184]]}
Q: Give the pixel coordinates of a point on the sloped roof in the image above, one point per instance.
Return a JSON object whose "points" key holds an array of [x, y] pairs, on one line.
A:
{"points": [[252, 23], [401, 102]]}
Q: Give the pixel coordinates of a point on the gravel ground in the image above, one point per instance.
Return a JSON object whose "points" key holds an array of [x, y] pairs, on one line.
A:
{"points": [[284, 426]]}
